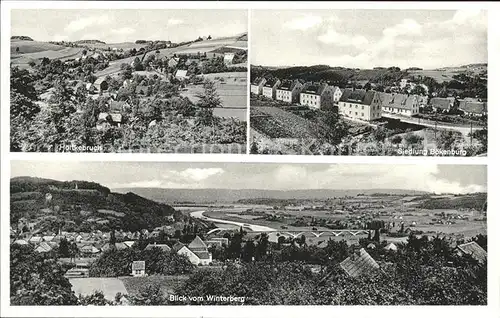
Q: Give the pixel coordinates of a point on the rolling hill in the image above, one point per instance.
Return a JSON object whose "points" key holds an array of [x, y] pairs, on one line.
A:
{"points": [[78, 201], [230, 196]]}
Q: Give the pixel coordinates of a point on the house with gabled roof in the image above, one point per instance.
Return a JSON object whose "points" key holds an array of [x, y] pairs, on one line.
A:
{"points": [[443, 104], [359, 263], [196, 252], [138, 268], [400, 104], [337, 93], [163, 247], [101, 84], [317, 95], [289, 91], [269, 88], [181, 74], [257, 85], [472, 249], [361, 104], [43, 247]]}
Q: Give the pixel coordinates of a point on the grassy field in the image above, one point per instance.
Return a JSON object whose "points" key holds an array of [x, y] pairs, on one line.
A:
{"points": [[232, 90], [87, 286], [445, 74], [124, 45], [63, 54], [167, 283], [26, 47]]}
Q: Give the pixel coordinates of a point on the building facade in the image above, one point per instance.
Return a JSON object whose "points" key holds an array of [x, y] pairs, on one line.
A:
{"points": [[289, 91], [400, 104], [318, 96], [256, 85], [360, 104], [269, 88]]}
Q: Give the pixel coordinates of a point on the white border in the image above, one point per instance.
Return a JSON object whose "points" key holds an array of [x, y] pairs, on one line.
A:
{"points": [[246, 311]]}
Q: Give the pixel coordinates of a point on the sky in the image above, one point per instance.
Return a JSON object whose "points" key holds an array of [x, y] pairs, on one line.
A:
{"points": [[369, 38], [268, 176], [127, 25]]}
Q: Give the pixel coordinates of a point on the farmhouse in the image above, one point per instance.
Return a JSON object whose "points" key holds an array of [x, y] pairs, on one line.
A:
{"points": [[319, 96], [257, 85], [138, 268], [289, 91], [269, 88], [442, 104], [472, 107], [196, 252], [400, 104], [361, 104]]}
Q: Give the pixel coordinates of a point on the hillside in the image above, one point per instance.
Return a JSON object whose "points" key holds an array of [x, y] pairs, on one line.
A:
{"points": [[172, 196], [335, 75], [84, 202], [476, 201]]}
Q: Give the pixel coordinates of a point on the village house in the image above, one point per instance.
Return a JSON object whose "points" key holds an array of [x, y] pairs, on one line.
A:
{"points": [[361, 104], [163, 247], [444, 105], [196, 252], [91, 89], [181, 74], [472, 107], [138, 268], [359, 263], [319, 96], [337, 93], [400, 104], [257, 85], [289, 91], [269, 88], [228, 58]]}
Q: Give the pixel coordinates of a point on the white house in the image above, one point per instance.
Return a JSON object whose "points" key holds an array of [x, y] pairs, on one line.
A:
{"points": [[400, 104], [138, 268], [228, 58], [269, 88], [181, 74], [361, 104], [289, 91], [337, 93], [319, 96], [196, 252], [257, 85]]}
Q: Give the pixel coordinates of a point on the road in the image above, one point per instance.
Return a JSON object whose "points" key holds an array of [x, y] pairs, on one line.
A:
{"points": [[427, 123], [252, 227]]}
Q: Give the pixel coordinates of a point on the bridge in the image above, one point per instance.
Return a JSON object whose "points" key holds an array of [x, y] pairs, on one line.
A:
{"points": [[296, 234]]}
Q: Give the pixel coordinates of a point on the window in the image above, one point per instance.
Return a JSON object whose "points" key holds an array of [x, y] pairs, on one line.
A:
{"points": [[349, 112], [356, 113]]}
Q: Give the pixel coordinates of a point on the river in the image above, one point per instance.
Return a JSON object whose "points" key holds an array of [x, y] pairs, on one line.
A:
{"points": [[252, 227]]}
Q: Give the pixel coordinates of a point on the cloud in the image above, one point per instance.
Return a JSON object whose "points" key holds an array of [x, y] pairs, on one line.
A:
{"points": [[333, 37], [472, 18], [123, 31], [407, 27], [304, 23], [175, 21], [82, 23], [199, 174]]}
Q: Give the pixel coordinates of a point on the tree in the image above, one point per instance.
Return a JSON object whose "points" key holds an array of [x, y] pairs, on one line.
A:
{"points": [[248, 251], [254, 149], [17, 49], [37, 280], [208, 100], [64, 247], [379, 134], [418, 90]]}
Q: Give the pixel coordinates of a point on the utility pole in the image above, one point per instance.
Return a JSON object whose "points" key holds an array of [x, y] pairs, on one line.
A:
{"points": [[470, 134]]}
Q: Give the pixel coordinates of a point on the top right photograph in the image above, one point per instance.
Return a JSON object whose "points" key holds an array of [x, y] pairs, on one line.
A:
{"points": [[369, 82]]}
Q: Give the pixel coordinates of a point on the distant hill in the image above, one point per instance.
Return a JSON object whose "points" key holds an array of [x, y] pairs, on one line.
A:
{"points": [[89, 42], [21, 38], [171, 196], [78, 201], [334, 75], [476, 201]]}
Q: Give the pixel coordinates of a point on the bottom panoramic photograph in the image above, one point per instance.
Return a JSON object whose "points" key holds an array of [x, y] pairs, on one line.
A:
{"points": [[165, 233]]}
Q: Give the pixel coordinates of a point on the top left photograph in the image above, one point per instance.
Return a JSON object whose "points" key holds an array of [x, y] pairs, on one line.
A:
{"points": [[128, 81]]}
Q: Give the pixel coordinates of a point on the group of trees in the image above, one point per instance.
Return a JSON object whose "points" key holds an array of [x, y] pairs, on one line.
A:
{"points": [[423, 271], [70, 117]]}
